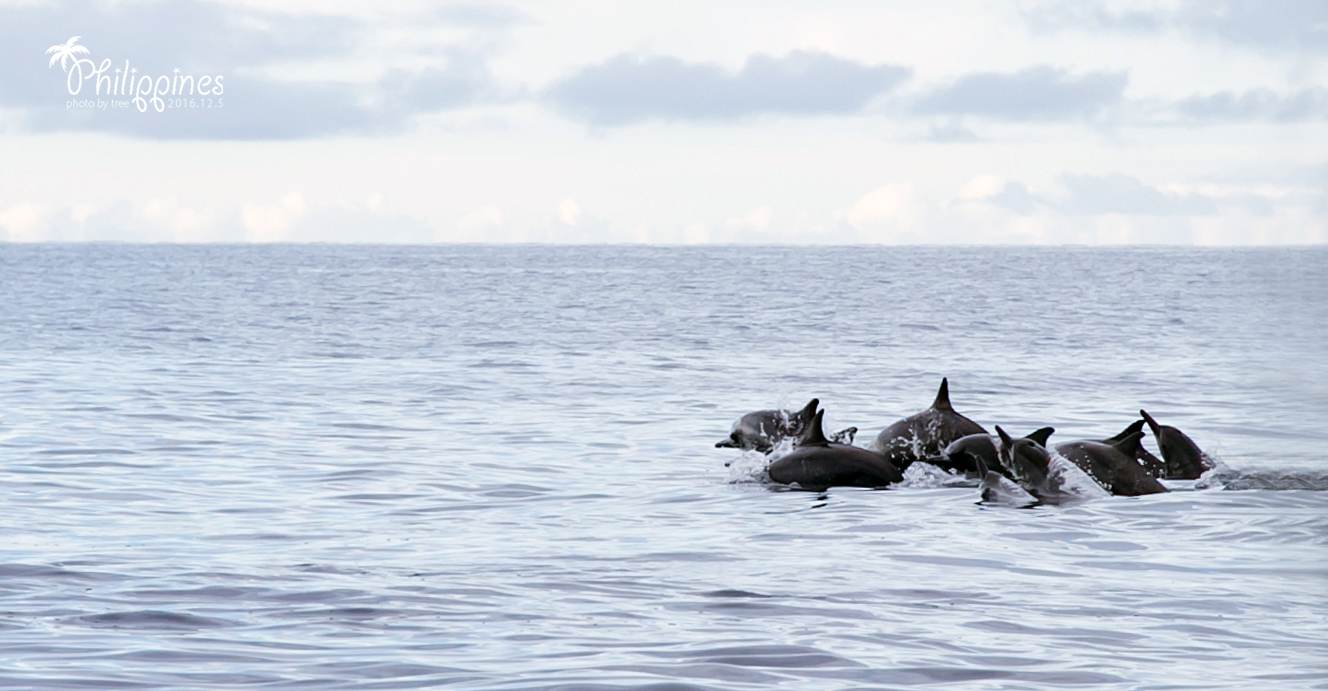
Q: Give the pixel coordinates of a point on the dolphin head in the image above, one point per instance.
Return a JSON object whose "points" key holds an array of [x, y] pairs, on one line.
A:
{"points": [[1025, 459], [1184, 458], [735, 440]]}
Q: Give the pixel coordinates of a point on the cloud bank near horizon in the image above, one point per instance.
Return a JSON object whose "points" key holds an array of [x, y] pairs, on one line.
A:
{"points": [[1077, 208]]}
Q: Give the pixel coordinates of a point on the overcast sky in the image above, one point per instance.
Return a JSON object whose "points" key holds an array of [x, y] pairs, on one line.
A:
{"points": [[897, 122]]}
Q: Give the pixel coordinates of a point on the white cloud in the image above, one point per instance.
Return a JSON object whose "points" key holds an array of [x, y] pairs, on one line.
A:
{"points": [[272, 222], [481, 225], [21, 223], [569, 213], [891, 214], [696, 234], [981, 188], [156, 220], [757, 219], [1118, 193]]}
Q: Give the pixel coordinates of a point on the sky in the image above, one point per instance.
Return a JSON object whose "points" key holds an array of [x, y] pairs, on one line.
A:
{"points": [[1093, 122]]}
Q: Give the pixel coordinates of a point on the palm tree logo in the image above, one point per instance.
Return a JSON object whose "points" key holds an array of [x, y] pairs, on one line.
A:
{"points": [[64, 52]]}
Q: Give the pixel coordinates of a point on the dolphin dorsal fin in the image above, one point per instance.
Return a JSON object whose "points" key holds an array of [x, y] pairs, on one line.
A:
{"points": [[809, 411], [943, 396], [1152, 424], [1129, 444], [1134, 427], [1041, 435], [813, 435], [1004, 448]]}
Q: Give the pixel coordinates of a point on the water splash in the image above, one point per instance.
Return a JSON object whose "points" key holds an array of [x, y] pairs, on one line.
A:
{"points": [[1225, 477], [926, 475]]}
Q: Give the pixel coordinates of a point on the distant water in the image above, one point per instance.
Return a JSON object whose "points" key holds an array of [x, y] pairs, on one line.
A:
{"points": [[322, 467]]}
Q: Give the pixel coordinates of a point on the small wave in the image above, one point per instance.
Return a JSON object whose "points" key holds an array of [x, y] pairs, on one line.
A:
{"points": [[778, 656], [40, 572], [730, 593], [153, 619], [87, 452], [1223, 477]]}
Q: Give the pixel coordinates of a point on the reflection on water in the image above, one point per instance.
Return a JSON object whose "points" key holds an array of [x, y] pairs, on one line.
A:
{"points": [[493, 468]]}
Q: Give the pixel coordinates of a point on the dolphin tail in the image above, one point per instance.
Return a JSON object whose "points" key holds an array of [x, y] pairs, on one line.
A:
{"points": [[942, 401]]}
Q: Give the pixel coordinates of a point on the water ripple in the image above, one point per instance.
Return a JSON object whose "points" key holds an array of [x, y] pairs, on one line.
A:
{"points": [[493, 468]]}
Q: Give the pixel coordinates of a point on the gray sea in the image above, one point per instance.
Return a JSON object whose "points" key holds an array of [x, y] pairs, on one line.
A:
{"points": [[349, 467]]}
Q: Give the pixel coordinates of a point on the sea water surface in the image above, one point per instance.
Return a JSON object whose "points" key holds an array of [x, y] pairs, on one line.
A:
{"points": [[335, 467]]}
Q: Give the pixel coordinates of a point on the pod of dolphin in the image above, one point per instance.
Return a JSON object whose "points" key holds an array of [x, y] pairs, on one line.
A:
{"points": [[946, 439]]}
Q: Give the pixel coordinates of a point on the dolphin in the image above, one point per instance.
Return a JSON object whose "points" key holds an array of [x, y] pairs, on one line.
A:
{"points": [[1113, 465], [817, 463], [763, 429], [1184, 459], [963, 454], [1027, 462], [924, 434], [1150, 463]]}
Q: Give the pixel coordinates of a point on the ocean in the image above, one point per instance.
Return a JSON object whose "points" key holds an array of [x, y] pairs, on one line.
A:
{"points": [[485, 467]]}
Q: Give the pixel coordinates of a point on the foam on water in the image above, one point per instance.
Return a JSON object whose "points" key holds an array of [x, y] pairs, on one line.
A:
{"points": [[928, 475], [1222, 477], [750, 465]]}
